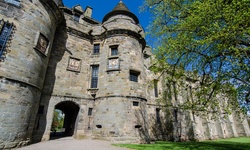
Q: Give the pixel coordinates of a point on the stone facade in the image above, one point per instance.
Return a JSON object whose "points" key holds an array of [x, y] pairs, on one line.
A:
{"points": [[107, 94], [23, 70]]}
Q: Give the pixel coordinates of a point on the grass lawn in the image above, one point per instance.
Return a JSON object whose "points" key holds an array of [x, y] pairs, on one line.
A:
{"points": [[242, 143]]}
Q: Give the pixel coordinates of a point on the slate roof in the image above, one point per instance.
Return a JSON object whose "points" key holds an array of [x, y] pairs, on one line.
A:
{"points": [[122, 9]]}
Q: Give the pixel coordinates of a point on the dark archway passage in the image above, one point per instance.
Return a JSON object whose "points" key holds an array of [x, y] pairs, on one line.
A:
{"points": [[70, 110]]}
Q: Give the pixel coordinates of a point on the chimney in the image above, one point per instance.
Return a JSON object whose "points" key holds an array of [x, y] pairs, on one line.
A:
{"points": [[88, 12]]}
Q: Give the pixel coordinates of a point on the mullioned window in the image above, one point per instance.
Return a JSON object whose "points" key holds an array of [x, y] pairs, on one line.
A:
{"points": [[6, 32], [94, 76]]}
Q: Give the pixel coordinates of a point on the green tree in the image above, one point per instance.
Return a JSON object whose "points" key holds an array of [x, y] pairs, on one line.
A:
{"points": [[58, 120], [210, 39]]}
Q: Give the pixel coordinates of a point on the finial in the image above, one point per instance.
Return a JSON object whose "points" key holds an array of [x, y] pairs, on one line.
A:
{"points": [[120, 1]]}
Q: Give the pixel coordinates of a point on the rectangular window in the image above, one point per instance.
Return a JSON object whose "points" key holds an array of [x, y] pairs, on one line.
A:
{"points": [[94, 76], [76, 17], [6, 29], [156, 87], [176, 115], [96, 49], [114, 50], [158, 118], [135, 103], [133, 76], [90, 111]]}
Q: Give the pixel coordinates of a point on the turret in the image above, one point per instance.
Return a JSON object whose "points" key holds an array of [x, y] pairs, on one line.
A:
{"points": [[122, 53], [121, 18], [121, 77], [120, 9]]}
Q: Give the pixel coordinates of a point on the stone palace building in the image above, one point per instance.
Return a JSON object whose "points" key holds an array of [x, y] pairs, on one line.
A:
{"points": [[96, 73]]}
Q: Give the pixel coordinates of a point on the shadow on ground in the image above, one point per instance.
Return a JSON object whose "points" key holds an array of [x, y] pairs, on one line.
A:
{"points": [[58, 135]]}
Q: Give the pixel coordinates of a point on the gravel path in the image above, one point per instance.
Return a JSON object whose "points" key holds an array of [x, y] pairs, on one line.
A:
{"points": [[68, 143]]}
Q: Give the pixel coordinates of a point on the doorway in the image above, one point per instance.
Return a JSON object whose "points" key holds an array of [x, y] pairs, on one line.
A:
{"points": [[64, 119]]}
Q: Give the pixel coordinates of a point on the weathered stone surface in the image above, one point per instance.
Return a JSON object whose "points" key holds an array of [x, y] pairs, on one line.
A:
{"points": [[23, 70], [17, 117], [33, 84]]}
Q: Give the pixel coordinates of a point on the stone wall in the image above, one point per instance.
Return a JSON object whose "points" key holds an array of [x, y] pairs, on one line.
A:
{"points": [[130, 58], [62, 83], [23, 70], [37, 78], [118, 120], [191, 125], [114, 91], [18, 102]]}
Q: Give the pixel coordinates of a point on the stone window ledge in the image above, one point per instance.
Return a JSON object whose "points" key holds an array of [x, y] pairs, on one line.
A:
{"points": [[116, 69], [94, 55], [93, 89], [112, 57]]}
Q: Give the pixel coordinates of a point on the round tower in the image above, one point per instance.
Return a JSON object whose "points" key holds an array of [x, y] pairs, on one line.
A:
{"points": [[27, 33], [120, 98]]}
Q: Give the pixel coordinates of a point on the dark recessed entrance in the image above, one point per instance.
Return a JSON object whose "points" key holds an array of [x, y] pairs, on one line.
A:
{"points": [[69, 111]]}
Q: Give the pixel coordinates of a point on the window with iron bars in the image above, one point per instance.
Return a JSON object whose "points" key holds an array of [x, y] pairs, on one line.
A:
{"points": [[94, 76], [133, 75], [114, 50], [96, 49], [6, 30], [14, 2]]}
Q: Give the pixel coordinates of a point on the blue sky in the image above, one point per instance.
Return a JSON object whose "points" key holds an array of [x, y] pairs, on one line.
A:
{"points": [[102, 7]]}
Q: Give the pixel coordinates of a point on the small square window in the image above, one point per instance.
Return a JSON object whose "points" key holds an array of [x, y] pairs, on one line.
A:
{"points": [[96, 49], [114, 50], [133, 76], [76, 17], [135, 103]]}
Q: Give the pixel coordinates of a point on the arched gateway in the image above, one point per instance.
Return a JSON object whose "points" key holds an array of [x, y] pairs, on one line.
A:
{"points": [[70, 110], [96, 73]]}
